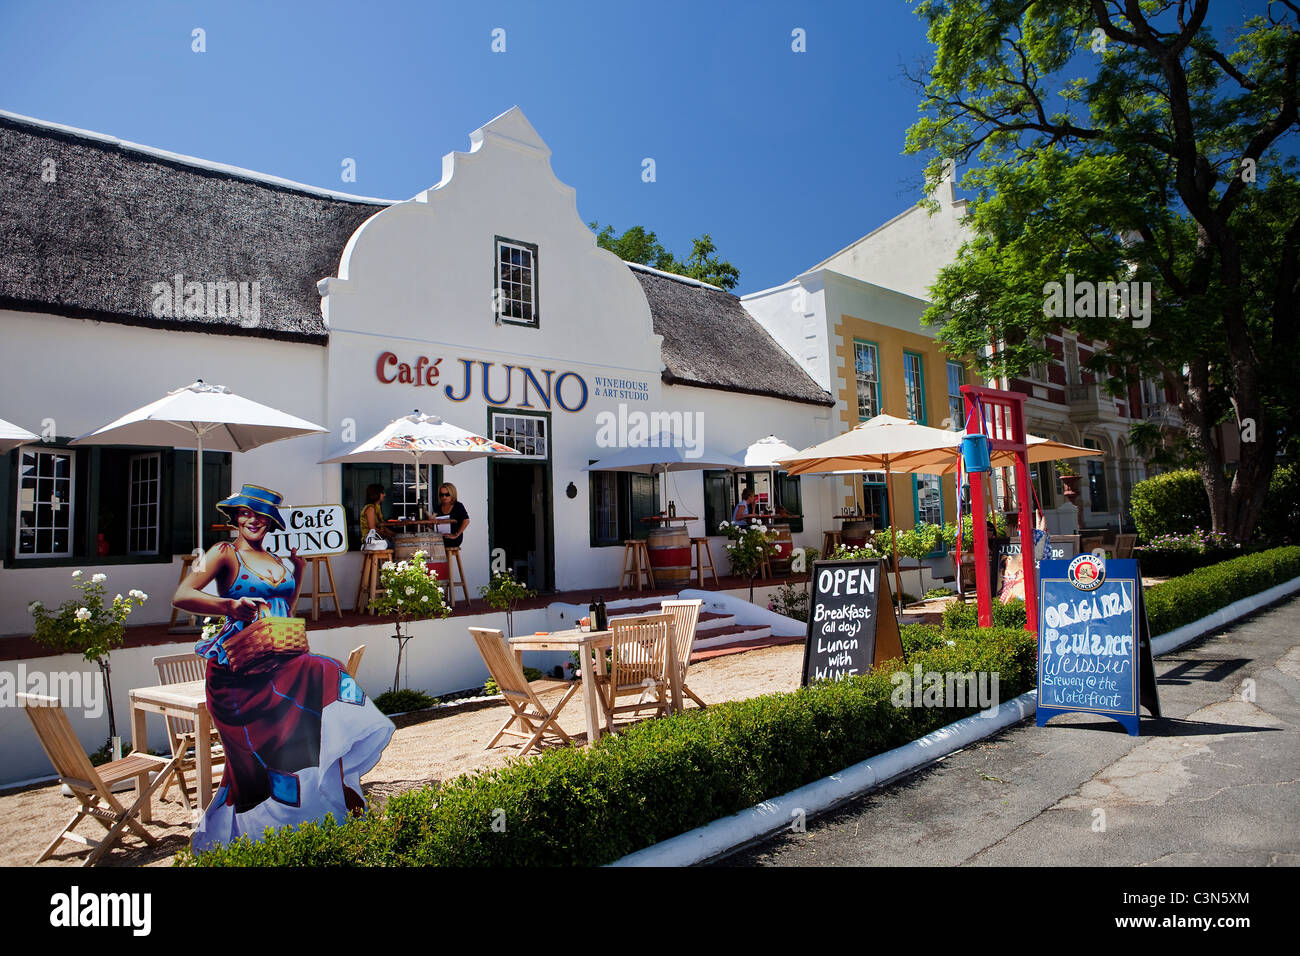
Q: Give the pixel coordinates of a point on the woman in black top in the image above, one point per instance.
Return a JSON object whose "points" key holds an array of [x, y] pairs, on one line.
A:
{"points": [[449, 506]]}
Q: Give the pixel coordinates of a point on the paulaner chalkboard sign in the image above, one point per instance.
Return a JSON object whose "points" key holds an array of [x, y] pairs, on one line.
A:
{"points": [[1094, 646], [848, 632]]}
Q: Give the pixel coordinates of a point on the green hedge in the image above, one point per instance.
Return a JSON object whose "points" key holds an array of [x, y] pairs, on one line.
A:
{"points": [[958, 615], [1172, 503], [583, 807], [1182, 600]]}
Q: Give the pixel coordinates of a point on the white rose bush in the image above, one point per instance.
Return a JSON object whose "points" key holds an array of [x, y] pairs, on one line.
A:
{"points": [[88, 626], [412, 592]]}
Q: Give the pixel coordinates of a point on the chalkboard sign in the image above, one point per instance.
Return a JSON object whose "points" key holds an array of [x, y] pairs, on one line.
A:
{"points": [[1059, 547], [1094, 646], [848, 632]]}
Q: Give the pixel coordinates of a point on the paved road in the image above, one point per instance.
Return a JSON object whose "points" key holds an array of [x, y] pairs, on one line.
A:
{"points": [[1212, 783]]}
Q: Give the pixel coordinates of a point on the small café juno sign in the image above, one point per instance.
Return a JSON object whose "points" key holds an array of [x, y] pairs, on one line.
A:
{"points": [[315, 530]]}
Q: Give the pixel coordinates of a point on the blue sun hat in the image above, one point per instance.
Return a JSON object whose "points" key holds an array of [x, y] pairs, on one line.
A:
{"points": [[262, 501]]}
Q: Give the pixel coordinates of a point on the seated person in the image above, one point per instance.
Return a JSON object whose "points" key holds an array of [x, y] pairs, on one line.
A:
{"points": [[372, 519], [743, 513], [449, 506]]}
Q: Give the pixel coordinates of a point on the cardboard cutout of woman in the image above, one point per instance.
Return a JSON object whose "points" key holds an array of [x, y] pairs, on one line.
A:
{"points": [[297, 730]]}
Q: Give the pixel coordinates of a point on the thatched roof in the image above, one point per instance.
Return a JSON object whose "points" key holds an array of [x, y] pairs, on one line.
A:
{"points": [[118, 218], [710, 341]]}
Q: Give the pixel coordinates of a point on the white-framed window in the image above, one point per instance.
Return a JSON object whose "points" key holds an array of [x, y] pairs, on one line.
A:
{"points": [[1151, 393], [956, 404], [866, 365], [408, 494], [914, 387], [526, 434], [516, 282], [1038, 371], [45, 503], [144, 493]]}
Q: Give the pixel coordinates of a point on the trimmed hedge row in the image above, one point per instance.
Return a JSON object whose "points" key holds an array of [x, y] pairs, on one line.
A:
{"points": [[583, 807], [1183, 600]]}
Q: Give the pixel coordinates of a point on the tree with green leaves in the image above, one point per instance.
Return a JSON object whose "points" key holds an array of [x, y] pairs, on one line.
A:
{"points": [[1120, 141], [639, 245]]}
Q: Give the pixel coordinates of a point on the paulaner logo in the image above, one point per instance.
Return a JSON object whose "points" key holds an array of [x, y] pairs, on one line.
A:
{"points": [[208, 300], [1084, 299], [74, 909], [636, 429]]}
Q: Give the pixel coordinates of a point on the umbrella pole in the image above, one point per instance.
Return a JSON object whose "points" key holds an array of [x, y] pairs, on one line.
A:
{"points": [[893, 537], [198, 504]]}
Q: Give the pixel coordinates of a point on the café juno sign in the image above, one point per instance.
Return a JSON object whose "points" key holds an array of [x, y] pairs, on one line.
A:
{"points": [[315, 530]]}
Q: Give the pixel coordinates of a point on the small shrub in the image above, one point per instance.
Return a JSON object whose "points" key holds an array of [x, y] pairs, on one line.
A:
{"points": [[1279, 521], [939, 592], [957, 616], [1173, 503], [401, 701], [791, 600]]}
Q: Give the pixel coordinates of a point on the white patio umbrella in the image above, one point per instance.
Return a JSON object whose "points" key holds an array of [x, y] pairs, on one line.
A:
{"points": [[211, 418], [422, 439], [884, 443], [665, 452], [11, 436], [766, 454]]}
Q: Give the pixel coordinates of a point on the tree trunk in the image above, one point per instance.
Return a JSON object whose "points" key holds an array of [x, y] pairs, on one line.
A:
{"points": [[104, 670]]}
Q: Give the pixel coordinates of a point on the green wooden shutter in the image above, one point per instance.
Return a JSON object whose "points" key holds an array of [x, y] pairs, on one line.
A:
{"points": [[356, 478], [8, 503], [792, 500], [644, 494], [180, 492], [718, 505]]}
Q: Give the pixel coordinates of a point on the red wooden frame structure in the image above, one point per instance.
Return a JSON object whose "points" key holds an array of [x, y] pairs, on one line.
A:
{"points": [[1000, 416]]}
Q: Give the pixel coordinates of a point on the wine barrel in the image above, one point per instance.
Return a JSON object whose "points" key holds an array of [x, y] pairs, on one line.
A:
{"points": [[670, 556], [856, 533], [784, 549], [405, 546]]}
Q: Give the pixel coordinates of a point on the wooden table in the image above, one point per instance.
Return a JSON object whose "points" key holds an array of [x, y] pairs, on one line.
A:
{"points": [[665, 519], [187, 701], [587, 643]]}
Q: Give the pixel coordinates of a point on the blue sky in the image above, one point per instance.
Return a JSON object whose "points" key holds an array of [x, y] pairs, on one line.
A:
{"points": [[782, 157]]}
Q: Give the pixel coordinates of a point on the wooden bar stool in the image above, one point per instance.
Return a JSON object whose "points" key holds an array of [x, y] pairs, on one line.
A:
{"points": [[456, 571], [830, 541], [636, 562], [369, 583], [703, 559], [765, 569], [187, 564], [316, 594]]}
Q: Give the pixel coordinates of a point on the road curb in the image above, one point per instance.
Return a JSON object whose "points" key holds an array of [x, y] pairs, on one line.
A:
{"points": [[729, 833]]}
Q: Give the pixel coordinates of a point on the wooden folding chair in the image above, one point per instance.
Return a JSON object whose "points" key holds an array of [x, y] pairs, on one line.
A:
{"points": [[639, 665], [178, 669], [686, 615], [1124, 545], [93, 786], [524, 705], [354, 660]]}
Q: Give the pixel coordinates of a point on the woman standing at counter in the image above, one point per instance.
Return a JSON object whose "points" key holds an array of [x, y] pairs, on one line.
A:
{"points": [[449, 506]]}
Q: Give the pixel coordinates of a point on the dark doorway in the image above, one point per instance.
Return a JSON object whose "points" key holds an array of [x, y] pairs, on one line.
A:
{"points": [[519, 521]]}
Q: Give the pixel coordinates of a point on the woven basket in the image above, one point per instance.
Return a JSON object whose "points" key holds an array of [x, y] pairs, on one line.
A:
{"points": [[266, 635]]}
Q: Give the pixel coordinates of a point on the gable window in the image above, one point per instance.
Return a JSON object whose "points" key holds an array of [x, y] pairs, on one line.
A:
{"points": [[956, 405], [914, 387], [866, 364], [515, 298], [45, 490]]}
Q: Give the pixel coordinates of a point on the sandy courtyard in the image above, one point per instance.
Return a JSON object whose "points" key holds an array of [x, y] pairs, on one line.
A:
{"points": [[421, 753]]}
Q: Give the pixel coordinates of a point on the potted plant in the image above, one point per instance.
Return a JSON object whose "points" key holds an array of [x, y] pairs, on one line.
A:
{"points": [[412, 593], [748, 548], [92, 628], [503, 594], [1069, 479]]}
